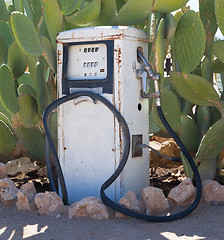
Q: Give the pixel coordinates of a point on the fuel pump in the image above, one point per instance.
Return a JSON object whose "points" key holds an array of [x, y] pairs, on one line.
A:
{"points": [[102, 111]]}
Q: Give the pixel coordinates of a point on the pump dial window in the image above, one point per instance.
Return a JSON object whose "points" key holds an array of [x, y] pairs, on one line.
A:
{"points": [[87, 62]]}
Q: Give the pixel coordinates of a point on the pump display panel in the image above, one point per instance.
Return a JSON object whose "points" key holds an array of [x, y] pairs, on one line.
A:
{"points": [[88, 65], [87, 62]]}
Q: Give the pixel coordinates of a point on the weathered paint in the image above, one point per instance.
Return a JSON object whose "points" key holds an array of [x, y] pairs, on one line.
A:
{"points": [[125, 98]]}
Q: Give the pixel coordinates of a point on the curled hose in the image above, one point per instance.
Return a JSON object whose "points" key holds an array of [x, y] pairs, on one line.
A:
{"points": [[124, 158]]}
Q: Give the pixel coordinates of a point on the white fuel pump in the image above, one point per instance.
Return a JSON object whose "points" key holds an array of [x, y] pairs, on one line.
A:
{"points": [[102, 60]]}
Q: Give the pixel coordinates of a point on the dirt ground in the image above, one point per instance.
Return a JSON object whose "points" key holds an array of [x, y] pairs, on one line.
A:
{"points": [[206, 222]]}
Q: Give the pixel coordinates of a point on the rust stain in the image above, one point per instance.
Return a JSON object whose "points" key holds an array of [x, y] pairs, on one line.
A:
{"points": [[117, 52], [59, 57]]}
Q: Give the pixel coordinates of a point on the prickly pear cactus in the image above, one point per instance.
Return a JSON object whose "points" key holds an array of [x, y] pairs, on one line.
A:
{"points": [[28, 32], [189, 42]]}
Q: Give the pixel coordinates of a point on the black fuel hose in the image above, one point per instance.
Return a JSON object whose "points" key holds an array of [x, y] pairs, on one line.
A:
{"points": [[50, 143], [173, 217], [125, 154]]}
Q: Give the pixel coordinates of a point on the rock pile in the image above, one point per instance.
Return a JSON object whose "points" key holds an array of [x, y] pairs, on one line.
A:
{"points": [[152, 201]]}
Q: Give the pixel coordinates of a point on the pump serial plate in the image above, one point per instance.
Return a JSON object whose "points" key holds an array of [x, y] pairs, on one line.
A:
{"points": [[87, 62]]}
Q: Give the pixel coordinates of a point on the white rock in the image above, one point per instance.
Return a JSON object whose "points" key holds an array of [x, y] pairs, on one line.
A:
{"points": [[213, 192], [49, 203], [183, 194], [89, 207], [20, 165], [130, 201], [3, 173], [25, 197], [8, 190], [154, 200]]}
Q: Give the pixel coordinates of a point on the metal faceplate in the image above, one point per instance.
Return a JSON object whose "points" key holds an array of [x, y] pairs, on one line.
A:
{"points": [[90, 139], [88, 65]]}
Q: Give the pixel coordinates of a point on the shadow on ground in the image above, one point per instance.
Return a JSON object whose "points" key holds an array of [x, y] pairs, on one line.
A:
{"points": [[206, 222]]}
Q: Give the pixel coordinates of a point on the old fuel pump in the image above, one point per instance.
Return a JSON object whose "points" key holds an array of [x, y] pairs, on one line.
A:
{"points": [[103, 112]]}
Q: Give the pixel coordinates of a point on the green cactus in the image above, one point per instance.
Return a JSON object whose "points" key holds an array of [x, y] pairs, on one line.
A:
{"points": [[189, 133], [195, 89], [212, 142], [189, 42], [49, 53], [26, 34], [218, 49], [165, 6], [7, 90], [27, 89], [108, 13], [28, 114], [187, 36], [3, 51], [206, 69], [17, 60], [4, 16], [7, 141], [203, 118], [32, 139], [207, 14], [171, 110], [53, 19], [87, 15], [219, 10], [134, 12]]}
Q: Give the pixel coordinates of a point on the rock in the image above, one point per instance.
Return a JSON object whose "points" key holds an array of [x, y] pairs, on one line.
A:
{"points": [[130, 201], [25, 197], [8, 190], [183, 194], [20, 165], [154, 200], [3, 173], [49, 203], [43, 172], [168, 148], [89, 207], [213, 192]]}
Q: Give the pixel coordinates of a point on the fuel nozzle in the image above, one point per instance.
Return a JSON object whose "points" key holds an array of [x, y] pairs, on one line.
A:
{"points": [[154, 77]]}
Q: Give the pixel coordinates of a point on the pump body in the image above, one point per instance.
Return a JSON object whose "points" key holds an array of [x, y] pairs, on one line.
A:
{"points": [[102, 60]]}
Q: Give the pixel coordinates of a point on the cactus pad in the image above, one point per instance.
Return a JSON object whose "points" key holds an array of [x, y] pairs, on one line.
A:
{"points": [[168, 6], [86, 15], [108, 13], [32, 140], [53, 19], [171, 109], [134, 12], [4, 16], [212, 143], [207, 14], [26, 34], [69, 7], [219, 10], [28, 114], [195, 89], [17, 61], [189, 41], [207, 169], [27, 89], [3, 50], [189, 133], [7, 141], [7, 90], [49, 53], [203, 118], [218, 49]]}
